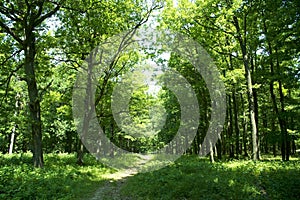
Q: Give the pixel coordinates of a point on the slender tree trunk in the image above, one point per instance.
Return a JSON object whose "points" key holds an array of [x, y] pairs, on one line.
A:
{"points": [[195, 144], [255, 99], [236, 124], [219, 148], [88, 109], [249, 84], [293, 147], [13, 132], [12, 140], [211, 149], [230, 128], [292, 126], [245, 129], [80, 153], [286, 139]]}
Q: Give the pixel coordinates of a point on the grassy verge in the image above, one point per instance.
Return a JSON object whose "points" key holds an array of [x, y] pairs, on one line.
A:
{"points": [[61, 178], [194, 178]]}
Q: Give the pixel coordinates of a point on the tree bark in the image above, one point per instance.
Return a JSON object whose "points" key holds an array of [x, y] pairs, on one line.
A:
{"points": [[34, 100]]}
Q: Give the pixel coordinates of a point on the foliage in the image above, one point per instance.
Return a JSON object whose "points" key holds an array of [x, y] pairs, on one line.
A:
{"points": [[60, 178]]}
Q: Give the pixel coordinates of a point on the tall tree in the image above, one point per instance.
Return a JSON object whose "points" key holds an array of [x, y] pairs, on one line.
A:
{"points": [[22, 21]]}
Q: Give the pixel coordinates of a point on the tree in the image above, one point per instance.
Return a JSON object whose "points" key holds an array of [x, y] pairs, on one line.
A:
{"points": [[22, 21]]}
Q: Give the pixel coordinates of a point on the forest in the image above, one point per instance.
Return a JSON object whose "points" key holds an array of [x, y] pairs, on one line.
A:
{"points": [[149, 99]]}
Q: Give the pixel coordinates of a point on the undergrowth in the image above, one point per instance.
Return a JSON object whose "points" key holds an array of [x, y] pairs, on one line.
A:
{"points": [[60, 178], [193, 178]]}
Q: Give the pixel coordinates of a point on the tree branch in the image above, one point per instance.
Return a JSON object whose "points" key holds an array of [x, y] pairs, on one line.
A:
{"points": [[214, 27], [41, 5], [8, 13], [11, 33], [73, 62], [42, 18], [15, 53]]}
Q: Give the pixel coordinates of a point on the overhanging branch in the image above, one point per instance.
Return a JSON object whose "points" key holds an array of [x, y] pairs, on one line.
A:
{"points": [[10, 32]]}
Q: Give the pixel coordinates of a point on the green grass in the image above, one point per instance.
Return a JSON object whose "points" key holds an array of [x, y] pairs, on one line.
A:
{"points": [[190, 177], [193, 178], [61, 178]]}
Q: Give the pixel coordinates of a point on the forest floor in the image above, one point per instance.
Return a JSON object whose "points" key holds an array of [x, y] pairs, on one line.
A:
{"points": [[189, 177]]}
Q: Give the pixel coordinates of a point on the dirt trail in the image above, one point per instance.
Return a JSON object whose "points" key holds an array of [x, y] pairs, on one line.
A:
{"points": [[111, 189]]}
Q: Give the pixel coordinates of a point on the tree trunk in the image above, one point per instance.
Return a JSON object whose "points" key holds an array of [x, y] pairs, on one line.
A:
{"points": [[236, 125], [286, 139], [80, 153], [34, 100], [219, 148], [12, 140], [255, 103], [211, 154], [245, 129], [230, 128], [13, 132], [249, 85], [88, 109]]}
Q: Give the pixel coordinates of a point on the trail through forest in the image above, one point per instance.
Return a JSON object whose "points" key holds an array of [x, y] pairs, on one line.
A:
{"points": [[111, 189]]}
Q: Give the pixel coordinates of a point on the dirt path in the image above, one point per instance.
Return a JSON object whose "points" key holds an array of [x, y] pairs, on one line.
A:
{"points": [[111, 189]]}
